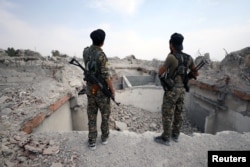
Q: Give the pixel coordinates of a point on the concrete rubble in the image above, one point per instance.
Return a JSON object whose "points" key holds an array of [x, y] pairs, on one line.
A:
{"points": [[33, 87]]}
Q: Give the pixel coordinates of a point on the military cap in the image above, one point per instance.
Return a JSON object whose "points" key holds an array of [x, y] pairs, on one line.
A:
{"points": [[176, 40], [97, 36]]}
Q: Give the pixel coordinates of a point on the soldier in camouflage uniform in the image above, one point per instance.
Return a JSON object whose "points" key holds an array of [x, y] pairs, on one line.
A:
{"points": [[173, 99], [97, 63]]}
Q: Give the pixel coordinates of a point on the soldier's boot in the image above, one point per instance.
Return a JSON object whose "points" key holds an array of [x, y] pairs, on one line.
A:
{"points": [[175, 137], [105, 141], [92, 145], [161, 140]]}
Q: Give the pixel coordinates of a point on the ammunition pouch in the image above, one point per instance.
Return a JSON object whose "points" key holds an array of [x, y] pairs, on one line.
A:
{"points": [[170, 83], [167, 83]]}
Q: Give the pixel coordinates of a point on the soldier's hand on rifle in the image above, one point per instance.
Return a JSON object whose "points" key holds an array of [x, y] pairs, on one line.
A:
{"points": [[110, 86], [193, 73], [112, 89], [113, 92], [194, 69]]}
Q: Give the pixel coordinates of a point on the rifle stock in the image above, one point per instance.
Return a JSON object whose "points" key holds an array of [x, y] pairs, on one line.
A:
{"points": [[94, 79]]}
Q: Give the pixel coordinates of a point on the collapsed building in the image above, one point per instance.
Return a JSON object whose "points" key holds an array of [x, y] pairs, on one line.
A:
{"points": [[40, 94], [218, 100]]}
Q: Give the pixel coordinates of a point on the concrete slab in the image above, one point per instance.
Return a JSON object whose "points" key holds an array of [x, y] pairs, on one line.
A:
{"points": [[147, 98]]}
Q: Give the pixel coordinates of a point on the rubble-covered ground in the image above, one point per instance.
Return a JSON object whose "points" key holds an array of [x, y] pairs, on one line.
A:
{"points": [[140, 121], [29, 83]]}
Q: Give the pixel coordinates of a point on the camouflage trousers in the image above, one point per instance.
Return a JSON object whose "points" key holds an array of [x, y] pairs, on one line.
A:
{"points": [[172, 108], [95, 102]]}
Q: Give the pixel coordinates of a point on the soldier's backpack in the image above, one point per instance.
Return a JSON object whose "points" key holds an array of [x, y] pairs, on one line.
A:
{"points": [[91, 63], [90, 60], [180, 70]]}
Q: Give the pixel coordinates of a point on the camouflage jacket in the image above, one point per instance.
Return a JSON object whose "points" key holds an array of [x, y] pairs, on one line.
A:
{"points": [[96, 61]]}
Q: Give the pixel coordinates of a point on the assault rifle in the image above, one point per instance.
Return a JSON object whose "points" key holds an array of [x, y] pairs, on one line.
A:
{"points": [[93, 79], [168, 84], [201, 64], [191, 75]]}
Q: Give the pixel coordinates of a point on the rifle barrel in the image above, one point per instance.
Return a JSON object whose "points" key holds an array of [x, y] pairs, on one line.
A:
{"points": [[199, 66]]}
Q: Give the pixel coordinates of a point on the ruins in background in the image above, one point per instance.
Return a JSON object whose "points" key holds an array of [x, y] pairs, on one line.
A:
{"points": [[218, 99], [39, 94]]}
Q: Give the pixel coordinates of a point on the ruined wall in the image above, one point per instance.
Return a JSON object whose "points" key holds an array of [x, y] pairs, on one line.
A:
{"points": [[59, 121], [141, 80], [79, 114], [213, 110], [15, 72], [35, 87], [220, 98]]}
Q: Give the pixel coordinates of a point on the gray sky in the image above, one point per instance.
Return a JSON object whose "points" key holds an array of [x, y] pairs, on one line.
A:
{"points": [[138, 27]]}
